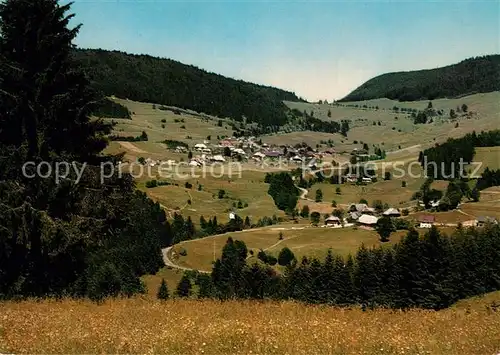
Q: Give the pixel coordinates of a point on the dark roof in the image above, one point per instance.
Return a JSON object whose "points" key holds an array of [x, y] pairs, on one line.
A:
{"points": [[484, 219], [273, 154], [427, 219]]}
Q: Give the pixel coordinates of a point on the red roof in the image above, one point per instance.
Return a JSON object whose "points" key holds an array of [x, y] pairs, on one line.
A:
{"points": [[427, 219]]}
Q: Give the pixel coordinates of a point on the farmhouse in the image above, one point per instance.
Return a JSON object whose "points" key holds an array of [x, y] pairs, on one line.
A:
{"points": [[392, 212], [368, 221], [218, 158], [273, 154], [354, 215], [358, 207], [426, 221], [333, 221], [368, 210], [483, 220], [259, 156], [200, 146]]}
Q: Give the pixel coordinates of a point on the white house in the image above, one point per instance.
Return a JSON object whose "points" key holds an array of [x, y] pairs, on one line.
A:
{"points": [[218, 158], [200, 146], [392, 212], [426, 221], [333, 221], [368, 221], [259, 156]]}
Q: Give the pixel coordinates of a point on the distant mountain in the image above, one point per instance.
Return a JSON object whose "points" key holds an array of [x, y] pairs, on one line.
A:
{"points": [[480, 74], [165, 81]]}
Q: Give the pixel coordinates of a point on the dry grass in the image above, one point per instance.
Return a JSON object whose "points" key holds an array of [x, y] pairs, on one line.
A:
{"points": [[240, 327]]}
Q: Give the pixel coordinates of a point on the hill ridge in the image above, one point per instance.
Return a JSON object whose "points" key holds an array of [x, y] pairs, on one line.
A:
{"points": [[473, 75]]}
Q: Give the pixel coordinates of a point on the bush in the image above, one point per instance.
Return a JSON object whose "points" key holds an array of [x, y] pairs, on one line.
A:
{"points": [[221, 194], [151, 184], [183, 252], [403, 183], [405, 212], [163, 120]]}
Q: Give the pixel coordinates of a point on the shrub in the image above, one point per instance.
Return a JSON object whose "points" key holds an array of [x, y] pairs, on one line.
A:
{"points": [[151, 184], [183, 252]]}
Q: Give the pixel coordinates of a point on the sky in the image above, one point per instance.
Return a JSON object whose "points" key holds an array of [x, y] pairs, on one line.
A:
{"points": [[317, 49]]}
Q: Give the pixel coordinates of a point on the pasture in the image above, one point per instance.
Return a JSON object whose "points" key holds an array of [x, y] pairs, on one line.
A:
{"points": [[397, 129]]}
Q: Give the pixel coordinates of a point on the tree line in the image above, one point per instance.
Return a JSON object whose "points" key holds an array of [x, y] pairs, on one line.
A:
{"points": [[431, 271], [447, 155]]}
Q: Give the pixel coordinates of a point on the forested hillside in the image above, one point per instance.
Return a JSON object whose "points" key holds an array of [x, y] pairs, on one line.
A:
{"points": [[480, 74], [164, 81]]}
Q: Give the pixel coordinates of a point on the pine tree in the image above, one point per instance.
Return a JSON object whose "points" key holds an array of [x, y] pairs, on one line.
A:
{"points": [[45, 107], [162, 291], [184, 286]]}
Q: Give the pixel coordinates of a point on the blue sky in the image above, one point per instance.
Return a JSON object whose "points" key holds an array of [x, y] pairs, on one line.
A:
{"points": [[318, 49]]}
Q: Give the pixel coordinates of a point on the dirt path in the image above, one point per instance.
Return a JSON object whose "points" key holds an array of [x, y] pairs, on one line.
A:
{"points": [[303, 194], [168, 262], [131, 147]]}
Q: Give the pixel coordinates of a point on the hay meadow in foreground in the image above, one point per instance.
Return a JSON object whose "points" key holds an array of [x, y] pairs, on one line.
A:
{"points": [[143, 326]]}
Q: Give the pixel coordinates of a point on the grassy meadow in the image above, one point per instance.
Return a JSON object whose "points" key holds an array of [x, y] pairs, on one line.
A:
{"points": [[142, 325], [405, 134], [302, 239]]}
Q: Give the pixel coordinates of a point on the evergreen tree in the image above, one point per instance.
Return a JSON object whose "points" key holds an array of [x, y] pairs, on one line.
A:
{"points": [[184, 286], [285, 257], [319, 195], [205, 285], [315, 217], [92, 238], [305, 212], [162, 291], [384, 228]]}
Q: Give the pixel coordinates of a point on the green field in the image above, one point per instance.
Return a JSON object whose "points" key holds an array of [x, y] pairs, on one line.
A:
{"points": [[303, 240], [488, 157], [405, 134], [144, 118]]}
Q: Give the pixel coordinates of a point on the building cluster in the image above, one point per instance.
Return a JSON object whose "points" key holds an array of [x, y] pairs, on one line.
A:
{"points": [[250, 150]]}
